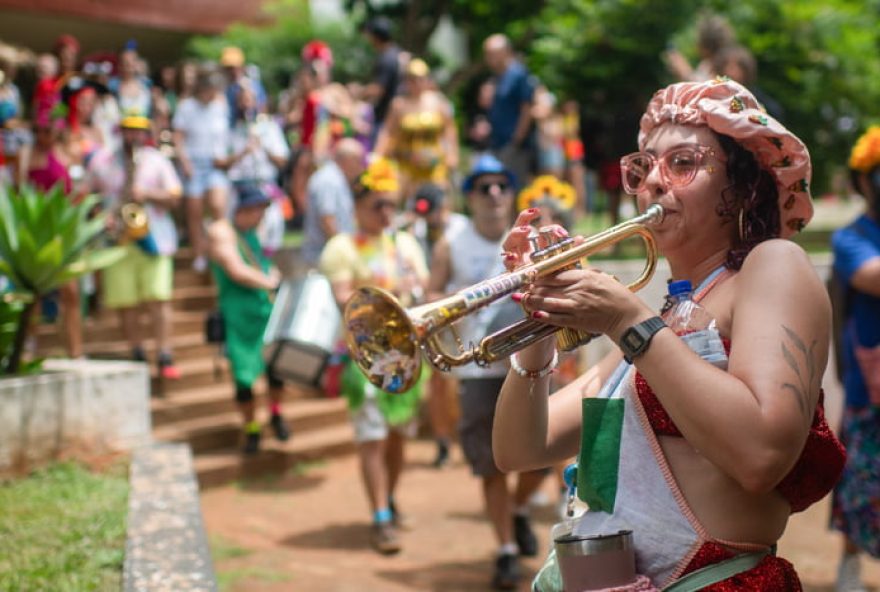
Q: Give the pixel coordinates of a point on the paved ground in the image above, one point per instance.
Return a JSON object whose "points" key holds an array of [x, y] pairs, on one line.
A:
{"points": [[307, 531]]}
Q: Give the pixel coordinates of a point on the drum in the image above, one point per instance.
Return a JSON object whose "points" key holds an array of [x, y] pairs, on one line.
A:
{"points": [[302, 330]]}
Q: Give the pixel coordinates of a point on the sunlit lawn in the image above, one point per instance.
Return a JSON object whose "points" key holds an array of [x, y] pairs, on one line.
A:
{"points": [[63, 528]]}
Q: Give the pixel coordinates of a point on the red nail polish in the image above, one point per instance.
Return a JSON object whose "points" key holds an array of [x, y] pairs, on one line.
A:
{"points": [[526, 228], [539, 314], [516, 296], [532, 211], [509, 257]]}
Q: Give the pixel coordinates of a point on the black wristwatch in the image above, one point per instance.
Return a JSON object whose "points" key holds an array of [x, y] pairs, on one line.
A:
{"points": [[635, 340]]}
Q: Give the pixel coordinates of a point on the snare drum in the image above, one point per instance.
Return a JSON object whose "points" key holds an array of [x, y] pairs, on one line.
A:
{"points": [[302, 329]]}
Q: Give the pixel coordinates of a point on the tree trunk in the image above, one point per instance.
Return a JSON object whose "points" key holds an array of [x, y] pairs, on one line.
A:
{"points": [[24, 322]]}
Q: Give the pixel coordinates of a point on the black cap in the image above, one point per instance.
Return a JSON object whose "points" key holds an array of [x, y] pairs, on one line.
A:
{"points": [[379, 27], [428, 197]]}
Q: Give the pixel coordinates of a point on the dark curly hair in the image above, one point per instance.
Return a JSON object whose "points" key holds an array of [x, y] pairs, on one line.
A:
{"points": [[752, 190]]}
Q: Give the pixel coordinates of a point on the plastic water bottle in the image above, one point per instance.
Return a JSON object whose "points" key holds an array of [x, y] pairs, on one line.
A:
{"points": [[686, 316], [694, 324]]}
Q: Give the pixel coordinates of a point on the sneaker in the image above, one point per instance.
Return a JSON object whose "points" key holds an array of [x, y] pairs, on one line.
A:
{"points": [[524, 536], [167, 369], [442, 458], [506, 575], [400, 520], [251, 443], [200, 264], [279, 428], [384, 539], [849, 574]]}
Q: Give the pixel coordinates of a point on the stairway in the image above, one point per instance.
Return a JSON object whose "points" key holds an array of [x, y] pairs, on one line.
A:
{"points": [[199, 408]]}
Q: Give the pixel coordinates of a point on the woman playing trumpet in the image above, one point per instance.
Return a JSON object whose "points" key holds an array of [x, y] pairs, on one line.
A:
{"points": [[715, 457]]}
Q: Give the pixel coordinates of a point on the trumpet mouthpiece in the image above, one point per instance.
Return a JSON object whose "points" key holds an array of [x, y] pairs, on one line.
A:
{"points": [[654, 214]]}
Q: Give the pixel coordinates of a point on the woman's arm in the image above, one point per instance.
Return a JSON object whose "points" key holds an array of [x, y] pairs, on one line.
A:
{"points": [[533, 429], [387, 135], [752, 421]]}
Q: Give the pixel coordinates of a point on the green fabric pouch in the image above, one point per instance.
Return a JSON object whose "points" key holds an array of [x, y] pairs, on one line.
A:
{"points": [[599, 457]]}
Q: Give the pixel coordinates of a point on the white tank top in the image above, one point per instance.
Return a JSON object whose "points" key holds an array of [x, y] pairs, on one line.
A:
{"points": [[474, 258]]}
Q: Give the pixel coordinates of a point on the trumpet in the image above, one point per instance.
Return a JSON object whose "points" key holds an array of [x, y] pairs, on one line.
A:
{"points": [[387, 341]]}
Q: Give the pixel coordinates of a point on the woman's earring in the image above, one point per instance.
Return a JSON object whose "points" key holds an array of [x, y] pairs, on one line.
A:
{"points": [[742, 226]]}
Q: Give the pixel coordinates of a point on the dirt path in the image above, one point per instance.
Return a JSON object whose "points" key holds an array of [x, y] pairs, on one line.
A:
{"points": [[307, 531]]}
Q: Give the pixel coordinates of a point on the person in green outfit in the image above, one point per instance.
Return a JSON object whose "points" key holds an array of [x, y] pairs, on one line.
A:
{"points": [[245, 280], [376, 255]]}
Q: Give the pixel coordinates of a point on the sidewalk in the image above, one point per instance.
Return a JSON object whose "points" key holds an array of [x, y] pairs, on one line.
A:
{"points": [[307, 531]]}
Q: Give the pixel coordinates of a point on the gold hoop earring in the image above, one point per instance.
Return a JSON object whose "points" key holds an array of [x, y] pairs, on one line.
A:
{"points": [[742, 226]]}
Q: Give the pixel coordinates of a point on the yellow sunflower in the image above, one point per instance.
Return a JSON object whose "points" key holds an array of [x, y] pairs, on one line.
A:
{"points": [[547, 187]]}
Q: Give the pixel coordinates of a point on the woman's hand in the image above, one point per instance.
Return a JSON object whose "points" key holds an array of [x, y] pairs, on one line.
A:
{"points": [[584, 299]]}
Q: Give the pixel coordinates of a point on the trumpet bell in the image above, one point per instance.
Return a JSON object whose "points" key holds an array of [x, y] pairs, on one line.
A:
{"points": [[383, 340]]}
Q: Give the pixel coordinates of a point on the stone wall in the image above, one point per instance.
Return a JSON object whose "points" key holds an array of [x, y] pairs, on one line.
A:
{"points": [[73, 407]]}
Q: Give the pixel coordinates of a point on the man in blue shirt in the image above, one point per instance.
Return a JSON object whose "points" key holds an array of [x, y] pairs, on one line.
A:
{"points": [[510, 114]]}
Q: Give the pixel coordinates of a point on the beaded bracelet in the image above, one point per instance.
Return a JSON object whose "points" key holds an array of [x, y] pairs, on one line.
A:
{"points": [[534, 374]]}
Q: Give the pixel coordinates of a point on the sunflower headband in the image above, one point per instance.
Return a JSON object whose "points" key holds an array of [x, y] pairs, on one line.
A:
{"points": [[865, 154], [546, 189], [380, 176]]}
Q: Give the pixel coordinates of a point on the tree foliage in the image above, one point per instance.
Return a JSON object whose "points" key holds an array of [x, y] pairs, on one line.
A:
{"points": [[817, 58]]}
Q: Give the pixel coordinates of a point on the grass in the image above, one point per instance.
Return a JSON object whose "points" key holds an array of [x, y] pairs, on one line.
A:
{"points": [[63, 528], [230, 578]]}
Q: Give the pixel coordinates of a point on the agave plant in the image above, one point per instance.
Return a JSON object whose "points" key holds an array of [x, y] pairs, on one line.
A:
{"points": [[46, 240]]}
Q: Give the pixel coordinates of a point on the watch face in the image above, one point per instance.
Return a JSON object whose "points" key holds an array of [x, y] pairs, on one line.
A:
{"points": [[632, 340]]}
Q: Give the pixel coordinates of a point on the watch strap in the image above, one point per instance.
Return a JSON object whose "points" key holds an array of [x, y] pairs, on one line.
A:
{"points": [[637, 338]]}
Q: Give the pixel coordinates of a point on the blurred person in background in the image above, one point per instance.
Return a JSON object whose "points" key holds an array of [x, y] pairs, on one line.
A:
{"points": [[201, 130], [714, 33], [420, 132], [232, 60], [13, 134], [855, 509], [432, 219], [140, 174], [330, 208], [245, 281], [510, 116], [131, 89], [384, 86], [45, 166], [472, 255], [375, 254], [257, 151]]}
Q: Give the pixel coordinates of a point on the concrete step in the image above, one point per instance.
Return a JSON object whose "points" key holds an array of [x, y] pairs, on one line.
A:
{"points": [[223, 430], [213, 399], [195, 372], [105, 326], [222, 466]]}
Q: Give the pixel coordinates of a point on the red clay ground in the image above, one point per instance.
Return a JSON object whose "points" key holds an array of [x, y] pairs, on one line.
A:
{"points": [[307, 531]]}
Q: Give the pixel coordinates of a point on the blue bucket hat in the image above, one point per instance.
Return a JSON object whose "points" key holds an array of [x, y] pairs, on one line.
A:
{"points": [[250, 194], [487, 165]]}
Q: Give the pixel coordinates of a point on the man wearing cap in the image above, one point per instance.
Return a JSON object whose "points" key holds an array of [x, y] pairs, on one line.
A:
{"points": [[386, 72], [244, 278], [469, 256], [233, 64], [140, 174]]}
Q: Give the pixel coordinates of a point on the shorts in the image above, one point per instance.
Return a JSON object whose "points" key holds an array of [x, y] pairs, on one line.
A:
{"points": [[137, 278], [477, 397], [370, 424], [205, 176]]}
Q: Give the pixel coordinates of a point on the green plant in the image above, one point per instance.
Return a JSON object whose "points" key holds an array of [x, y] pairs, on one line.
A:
{"points": [[45, 241]]}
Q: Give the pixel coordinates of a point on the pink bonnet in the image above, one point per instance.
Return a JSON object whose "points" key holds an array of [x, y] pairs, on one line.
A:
{"points": [[728, 108]]}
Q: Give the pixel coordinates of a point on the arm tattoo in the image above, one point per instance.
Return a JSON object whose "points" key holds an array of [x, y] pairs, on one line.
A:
{"points": [[806, 376]]}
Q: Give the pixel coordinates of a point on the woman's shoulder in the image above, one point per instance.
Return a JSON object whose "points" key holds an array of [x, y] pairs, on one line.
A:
{"points": [[782, 266], [775, 252]]}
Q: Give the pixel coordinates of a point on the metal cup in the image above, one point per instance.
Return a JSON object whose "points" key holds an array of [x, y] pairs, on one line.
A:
{"points": [[596, 561]]}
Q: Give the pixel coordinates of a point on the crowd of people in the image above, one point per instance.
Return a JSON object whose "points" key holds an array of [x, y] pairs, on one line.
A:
{"points": [[372, 172]]}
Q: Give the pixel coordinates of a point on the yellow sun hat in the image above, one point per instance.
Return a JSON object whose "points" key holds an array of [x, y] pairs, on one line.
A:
{"points": [[547, 189]]}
